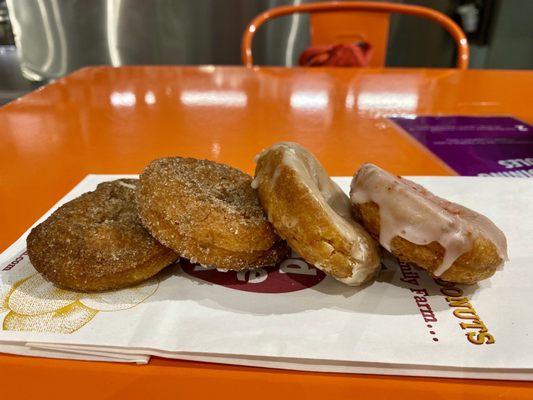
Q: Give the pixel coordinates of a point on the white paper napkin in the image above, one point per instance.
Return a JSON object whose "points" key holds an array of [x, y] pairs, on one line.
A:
{"points": [[293, 317]]}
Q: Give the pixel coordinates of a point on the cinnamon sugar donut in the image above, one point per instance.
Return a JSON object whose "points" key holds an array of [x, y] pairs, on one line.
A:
{"points": [[450, 241], [96, 242], [313, 214], [208, 213]]}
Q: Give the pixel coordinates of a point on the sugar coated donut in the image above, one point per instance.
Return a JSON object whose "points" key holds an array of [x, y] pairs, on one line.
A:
{"points": [[207, 212], [450, 241], [96, 242], [313, 214]]}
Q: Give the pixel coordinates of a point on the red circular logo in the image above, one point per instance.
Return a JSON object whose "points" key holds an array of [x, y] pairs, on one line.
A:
{"points": [[291, 275]]}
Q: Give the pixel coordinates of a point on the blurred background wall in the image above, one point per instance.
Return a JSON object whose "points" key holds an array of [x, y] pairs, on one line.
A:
{"points": [[42, 40]]}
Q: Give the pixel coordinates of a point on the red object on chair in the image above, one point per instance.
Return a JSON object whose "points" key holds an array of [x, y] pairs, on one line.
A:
{"points": [[344, 22], [339, 55]]}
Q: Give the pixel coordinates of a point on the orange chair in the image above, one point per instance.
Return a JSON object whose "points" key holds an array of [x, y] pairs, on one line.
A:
{"points": [[360, 20]]}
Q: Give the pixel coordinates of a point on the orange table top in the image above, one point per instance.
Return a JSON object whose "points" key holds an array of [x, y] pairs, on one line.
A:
{"points": [[115, 120]]}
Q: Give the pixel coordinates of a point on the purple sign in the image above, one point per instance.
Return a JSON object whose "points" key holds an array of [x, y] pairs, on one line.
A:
{"points": [[484, 146]]}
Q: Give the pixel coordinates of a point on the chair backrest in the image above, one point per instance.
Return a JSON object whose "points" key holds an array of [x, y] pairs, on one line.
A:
{"points": [[359, 20]]}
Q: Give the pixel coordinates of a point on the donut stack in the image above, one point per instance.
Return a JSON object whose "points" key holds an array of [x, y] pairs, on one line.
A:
{"points": [[128, 230]]}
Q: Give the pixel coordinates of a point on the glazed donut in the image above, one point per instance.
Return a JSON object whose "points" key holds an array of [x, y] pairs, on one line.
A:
{"points": [[313, 214], [96, 242], [207, 212], [450, 241]]}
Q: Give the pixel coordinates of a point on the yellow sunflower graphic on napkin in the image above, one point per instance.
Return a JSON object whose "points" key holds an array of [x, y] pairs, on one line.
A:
{"points": [[36, 305]]}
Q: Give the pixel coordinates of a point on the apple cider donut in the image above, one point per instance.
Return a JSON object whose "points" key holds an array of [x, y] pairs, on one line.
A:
{"points": [[450, 241], [313, 214], [207, 212], [96, 242]]}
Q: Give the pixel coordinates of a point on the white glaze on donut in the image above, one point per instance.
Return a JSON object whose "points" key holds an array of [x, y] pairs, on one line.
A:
{"points": [[334, 202], [409, 211]]}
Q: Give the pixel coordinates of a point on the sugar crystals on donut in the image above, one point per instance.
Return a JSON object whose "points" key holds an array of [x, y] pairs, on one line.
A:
{"points": [[96, 242], [207, 212]]}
